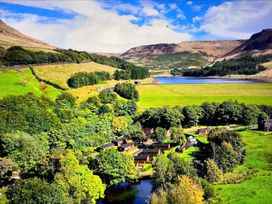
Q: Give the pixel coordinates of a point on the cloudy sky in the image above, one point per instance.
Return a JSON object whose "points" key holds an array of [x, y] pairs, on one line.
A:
{"points": [[117, 25]]}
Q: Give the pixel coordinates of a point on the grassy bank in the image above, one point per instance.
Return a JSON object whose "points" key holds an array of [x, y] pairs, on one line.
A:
{"points": [[188, 94], [257, 186], [59, 74], [21, 82]]}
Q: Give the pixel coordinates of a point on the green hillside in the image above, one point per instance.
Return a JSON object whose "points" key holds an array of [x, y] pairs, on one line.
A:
{"points": [[179, 60]]}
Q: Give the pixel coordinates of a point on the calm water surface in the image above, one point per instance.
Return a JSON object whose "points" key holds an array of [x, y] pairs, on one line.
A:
{"points": [[196, 80], [144, 190]]}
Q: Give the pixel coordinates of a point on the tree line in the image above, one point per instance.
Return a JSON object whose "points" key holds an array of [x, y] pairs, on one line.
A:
{"points": [[87, 78], [211, 114], [247, 65], [19, 56]]}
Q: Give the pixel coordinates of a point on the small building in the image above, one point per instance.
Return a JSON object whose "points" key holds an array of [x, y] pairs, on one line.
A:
{"points": [[126, 147], [105, 146], [141, 159], [151, 152], [161, 146], [119, 141], [268, 125]]}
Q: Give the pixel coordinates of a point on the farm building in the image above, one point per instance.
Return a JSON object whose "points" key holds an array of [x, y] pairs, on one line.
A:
{"points": [[103, 147], [268, 125], [161, 146], [141, 159], [127, 146], [119, 141]]}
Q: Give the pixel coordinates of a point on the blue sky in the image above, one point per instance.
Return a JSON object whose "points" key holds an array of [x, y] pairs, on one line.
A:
{"points": [[117, 25]]}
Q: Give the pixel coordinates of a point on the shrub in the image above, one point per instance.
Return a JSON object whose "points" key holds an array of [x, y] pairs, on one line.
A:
{"points": [[107, 96], [127, 90]]}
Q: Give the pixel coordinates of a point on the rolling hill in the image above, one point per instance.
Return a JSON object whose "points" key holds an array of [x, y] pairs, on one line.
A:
{"points": [[198, 53], [11, 37]]}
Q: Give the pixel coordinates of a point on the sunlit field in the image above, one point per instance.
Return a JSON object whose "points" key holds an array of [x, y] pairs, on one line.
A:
{"points": [[188, 94], [59, 74]]}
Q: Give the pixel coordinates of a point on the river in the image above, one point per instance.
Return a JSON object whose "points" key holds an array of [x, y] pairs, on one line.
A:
{"points": [[135, 194]]}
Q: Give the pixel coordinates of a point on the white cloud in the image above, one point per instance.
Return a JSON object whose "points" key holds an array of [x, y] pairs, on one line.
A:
{"points": [[94, 28], [189, 3], [181, 16], [237, 19], [196, 19]]}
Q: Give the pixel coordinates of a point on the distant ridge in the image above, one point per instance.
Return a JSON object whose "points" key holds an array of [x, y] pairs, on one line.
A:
{"points": [[12, 37], [258, 44], [177, 55]]}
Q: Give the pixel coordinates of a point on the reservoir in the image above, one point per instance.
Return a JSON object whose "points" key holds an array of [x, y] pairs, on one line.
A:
{"points": [[197, 80]]}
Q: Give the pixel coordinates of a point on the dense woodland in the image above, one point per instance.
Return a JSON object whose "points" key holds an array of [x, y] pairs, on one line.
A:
{"points": [[19, 56], [47, 148], [80, 79], [247, 65]]}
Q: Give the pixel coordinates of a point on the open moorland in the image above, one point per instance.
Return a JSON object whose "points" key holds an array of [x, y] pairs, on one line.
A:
{"points": [[187, 94]]}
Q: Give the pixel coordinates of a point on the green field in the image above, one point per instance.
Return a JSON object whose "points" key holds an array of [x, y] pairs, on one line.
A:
{"points": [[188, 94], [257, 187], [21, 82]]}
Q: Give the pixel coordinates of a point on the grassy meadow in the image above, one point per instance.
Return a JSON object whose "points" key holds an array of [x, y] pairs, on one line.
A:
{"points": [[188, 94], [21, 82], [59, 74], [256, 170]]}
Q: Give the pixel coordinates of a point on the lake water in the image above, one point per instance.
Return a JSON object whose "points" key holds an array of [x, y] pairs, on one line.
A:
{"points": [[197, 80]]}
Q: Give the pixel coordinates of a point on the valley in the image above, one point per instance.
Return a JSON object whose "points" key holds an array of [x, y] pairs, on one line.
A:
{"points": [[187, 122]]}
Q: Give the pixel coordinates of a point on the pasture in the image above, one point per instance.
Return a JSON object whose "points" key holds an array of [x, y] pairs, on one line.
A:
{"points": [[60, 73], [21, 82], [256, 170], [188, 94]]}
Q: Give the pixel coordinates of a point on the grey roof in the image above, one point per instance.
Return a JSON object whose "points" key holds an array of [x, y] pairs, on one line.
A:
{"points": [[127, 145], [106, 145], [141, 157], [160, 145], [150, 151]]}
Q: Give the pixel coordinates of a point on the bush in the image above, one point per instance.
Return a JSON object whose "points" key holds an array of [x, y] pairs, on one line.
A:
{"points": [[107, 96], [127, 90]]}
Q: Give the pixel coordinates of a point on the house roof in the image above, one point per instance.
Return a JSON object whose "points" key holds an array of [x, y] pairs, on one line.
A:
{"points": [[160, 145], [141, 157], [127, 145], [106, 145], [150, 151]]}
